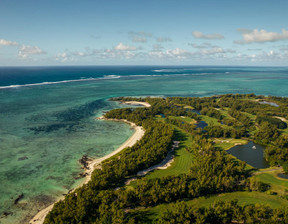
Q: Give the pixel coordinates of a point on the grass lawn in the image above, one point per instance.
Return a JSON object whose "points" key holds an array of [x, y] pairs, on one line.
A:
{"points": [[182, 163], [284, 131], [225, 113], [186, 119], [213, 121], [243, 198], [189, 107], [228, 143], [182, 159], [210, 120], [277, 184], [251, 116], [183, 105]]}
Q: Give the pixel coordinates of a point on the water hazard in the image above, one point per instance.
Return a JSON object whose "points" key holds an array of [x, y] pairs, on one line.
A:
{"points": [[251, 153]]}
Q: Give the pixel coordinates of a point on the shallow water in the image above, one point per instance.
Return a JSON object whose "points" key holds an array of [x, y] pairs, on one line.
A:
{"points": [[283, 175], [251, 153], [269, 103], [46, 128]]}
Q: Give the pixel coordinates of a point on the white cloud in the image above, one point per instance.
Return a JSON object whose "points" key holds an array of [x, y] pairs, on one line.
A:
{"points": [[283, 48], [95, 36], [26, 51], [140, 37], [141, 33], [254, 49], [264, 56], [163, 39], [176, 53], [7, 43], [81, 54], [157, 47], [203, 46], [208, 50], [62, 57], [157, 54], [68, 56], [205, 51], [121, 51], [261, 36], [116, 54], [200, 35], [216, 50], [123, 47]]}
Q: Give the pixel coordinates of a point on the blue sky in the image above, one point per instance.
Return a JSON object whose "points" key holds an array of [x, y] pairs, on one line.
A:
{"points": [[158, 32]]}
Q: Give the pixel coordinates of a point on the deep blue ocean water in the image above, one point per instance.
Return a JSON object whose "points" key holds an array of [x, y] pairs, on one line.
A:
{"points": [[47, 118]]}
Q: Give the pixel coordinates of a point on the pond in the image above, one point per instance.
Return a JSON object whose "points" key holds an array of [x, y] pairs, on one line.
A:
{"points": [[196, 111], [201, 124], [283, 175], [252, 153], [269, 103]]}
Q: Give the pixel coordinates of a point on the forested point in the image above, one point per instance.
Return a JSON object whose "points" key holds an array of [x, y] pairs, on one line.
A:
{"points": [[241, 117]]}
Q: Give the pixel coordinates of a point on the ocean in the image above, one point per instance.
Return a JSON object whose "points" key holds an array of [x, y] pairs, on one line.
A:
{"points": [[47, 119]]}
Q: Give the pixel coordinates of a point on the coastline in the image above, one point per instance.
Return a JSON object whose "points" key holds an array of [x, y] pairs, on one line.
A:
{"points": [[139, 132], [145, 104]]}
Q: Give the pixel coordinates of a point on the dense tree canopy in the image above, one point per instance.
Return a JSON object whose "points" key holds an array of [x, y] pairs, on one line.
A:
{"points": [[105, 199]]}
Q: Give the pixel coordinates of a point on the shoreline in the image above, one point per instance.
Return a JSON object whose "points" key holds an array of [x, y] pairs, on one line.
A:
{"points": [[139, 132], [145, 104]]}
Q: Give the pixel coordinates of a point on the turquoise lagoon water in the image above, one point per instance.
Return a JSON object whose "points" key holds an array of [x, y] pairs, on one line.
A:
{"points": [[47, 119]]}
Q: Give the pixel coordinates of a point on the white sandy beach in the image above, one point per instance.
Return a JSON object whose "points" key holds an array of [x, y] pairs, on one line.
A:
{"points": [[145, 104], [139, 132]]}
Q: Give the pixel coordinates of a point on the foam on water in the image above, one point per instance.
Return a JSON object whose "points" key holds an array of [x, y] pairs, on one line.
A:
{"points": [[82, 79], [46, 128]]}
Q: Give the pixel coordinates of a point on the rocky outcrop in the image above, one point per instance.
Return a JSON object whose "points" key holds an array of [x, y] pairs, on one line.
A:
{"points": [[18, 198]]}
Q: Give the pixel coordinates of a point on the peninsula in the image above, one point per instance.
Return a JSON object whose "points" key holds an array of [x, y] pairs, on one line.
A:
{"points": [[204, 183]]}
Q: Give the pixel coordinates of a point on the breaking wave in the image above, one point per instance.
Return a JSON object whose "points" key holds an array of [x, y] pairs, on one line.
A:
{"points": [[60, 82]]}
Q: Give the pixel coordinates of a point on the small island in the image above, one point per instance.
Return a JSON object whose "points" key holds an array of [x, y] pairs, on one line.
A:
{"points": [[203, 182]]}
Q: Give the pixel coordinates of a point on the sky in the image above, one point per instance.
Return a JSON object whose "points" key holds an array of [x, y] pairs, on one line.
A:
{"points": [[138, 32]]}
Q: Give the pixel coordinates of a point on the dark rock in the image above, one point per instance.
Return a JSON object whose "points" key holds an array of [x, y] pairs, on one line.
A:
{"points": [[18, 198], [81, 175], [6, 213], [84, 162], [54, 178], [39, 166], [22, 158]]}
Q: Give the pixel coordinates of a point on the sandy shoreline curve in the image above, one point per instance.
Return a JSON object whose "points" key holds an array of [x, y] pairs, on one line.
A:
{"points": [[139, 132], [145, 104]]}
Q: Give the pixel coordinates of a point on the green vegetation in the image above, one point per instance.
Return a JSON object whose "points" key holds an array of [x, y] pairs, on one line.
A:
{"points": [[181, 165], [210, 120], [201, 173], [278, 185], [223, 212], [228, 143], [271, 120], [245, 197], [242, 197]]}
